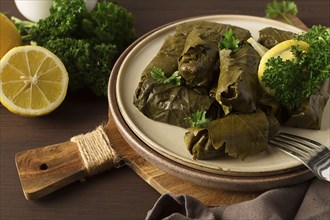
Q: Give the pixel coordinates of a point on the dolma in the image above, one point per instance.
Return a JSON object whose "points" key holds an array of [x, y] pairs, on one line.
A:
{"points": [[267, 103], [273, 126], [238, 135], [270, 36], [199, 144], [174, 104], [198, 63], [166, 102], [238, 82], [310, 114], [166, 58]]}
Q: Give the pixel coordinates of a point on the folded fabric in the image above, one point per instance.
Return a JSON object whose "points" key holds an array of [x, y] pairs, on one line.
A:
{"points": [[309, 200]]}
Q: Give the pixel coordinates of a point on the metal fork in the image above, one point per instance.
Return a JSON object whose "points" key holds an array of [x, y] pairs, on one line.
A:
{"points": [[313, 155]]}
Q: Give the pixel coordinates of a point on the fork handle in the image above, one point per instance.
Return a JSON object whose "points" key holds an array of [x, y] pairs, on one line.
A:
{"points": [[321, 167]]}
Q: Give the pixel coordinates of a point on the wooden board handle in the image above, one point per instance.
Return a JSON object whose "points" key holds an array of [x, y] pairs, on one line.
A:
{"points": [[46, 169]]}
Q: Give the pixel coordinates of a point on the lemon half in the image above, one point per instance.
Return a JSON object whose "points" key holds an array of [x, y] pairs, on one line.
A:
{"points": [[33, 81], [9, 35], [283, 50]]}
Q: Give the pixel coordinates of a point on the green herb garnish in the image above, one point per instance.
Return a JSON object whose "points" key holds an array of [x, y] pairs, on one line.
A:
{"points": [[275, 9], [198, 119], [296, 80], [159, 75], [88, 43], [229, 41]]}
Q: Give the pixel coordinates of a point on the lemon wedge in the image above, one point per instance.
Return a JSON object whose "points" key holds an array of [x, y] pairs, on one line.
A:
{"points": [[33, 81], [283, 50]]}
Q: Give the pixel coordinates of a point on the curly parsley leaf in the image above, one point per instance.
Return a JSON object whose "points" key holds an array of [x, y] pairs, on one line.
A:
{"points": [[199, 119], [275, 9], [88, 43], [229, 41], [296, 80], [159, 75]]}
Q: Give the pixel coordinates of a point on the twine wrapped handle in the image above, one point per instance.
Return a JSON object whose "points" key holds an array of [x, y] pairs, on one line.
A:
{"points": [[46, 169], [96, 151]]}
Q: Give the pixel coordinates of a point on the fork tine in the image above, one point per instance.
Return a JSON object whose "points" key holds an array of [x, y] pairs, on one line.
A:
{"points": [[311, 144], [314, 155], [288, 147], [300, 144]]}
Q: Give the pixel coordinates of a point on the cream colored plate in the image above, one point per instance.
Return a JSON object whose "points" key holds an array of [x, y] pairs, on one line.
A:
{"points": [[168, 140]]}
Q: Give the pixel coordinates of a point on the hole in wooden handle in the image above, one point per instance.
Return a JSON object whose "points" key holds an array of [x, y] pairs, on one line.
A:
{"points": [[47, 169], [43, 166]]}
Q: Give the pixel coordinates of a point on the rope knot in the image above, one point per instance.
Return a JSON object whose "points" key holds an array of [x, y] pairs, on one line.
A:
{"points": [[96, 151]]}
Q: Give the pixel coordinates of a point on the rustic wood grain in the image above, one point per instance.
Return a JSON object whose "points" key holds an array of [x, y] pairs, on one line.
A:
{"points": [[47, 169]]}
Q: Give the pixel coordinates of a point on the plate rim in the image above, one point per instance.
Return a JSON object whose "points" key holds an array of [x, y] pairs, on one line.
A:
{"points": [[228, 180]]}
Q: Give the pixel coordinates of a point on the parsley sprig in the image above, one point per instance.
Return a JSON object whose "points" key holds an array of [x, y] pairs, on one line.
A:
{"points": [[296, 80], [88, 43], [198, 119], [282, 9], [159, 75], [229, 41]]}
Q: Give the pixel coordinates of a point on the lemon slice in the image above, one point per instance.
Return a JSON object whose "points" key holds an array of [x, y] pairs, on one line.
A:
{"points": [[283, 50], [33, 81], [9, 35]]}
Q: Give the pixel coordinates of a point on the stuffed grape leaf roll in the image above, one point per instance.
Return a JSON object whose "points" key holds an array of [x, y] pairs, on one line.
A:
{"points": [[270, 36], [238, 135], [174, 104], [200, 146], [199, 61], [169, 103], [238, 82], [311, 111]]}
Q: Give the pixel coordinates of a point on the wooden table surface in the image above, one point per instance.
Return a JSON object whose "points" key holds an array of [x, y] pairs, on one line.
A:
{"points": [[119, 193]]}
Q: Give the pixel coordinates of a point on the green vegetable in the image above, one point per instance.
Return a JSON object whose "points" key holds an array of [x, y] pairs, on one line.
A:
{"points": [[88, 43], [275, 9], [159, 75], [296, 80], [199, 120], [229, 41]]}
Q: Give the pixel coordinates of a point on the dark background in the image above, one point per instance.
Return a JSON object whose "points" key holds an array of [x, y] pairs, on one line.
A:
{"points": [[119, 193]]}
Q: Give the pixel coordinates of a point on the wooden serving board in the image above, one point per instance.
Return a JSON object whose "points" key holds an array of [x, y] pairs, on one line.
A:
{"points": [[46, 169]]}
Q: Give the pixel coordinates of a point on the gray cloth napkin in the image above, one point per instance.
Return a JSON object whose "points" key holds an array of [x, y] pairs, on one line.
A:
{"points": [[309, 200]]}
